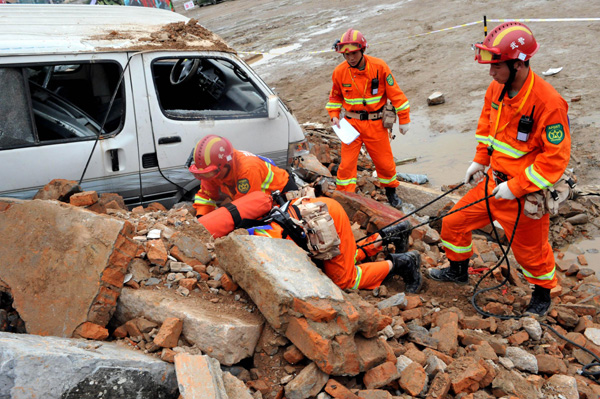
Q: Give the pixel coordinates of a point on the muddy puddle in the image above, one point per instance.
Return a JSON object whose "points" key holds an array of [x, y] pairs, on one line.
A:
{"points": [[589, 248], [443, 157]]}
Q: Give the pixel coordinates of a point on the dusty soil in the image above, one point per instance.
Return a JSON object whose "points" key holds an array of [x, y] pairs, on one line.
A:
{"points": [[402, 33]]}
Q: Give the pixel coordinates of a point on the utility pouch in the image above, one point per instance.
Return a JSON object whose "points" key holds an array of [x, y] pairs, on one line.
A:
{"points": [[541, 202], [323, 239], [306, 191], [389, 115]]}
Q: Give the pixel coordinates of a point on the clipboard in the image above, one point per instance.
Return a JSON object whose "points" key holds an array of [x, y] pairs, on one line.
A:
{"points": [[346, 132]]}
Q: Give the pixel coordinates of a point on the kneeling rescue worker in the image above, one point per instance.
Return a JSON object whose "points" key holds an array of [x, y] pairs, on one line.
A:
{"points": [[322, 227], [524, 138], [226, 171]]}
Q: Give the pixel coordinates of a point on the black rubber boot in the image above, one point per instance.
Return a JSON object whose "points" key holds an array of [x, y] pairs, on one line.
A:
{"points": [[390, 193], [397, 234], [458, 272], [407, 266], [540, 303]]}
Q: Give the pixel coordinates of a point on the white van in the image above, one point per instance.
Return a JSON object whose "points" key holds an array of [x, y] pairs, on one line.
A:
{"points": [[124, 93]]}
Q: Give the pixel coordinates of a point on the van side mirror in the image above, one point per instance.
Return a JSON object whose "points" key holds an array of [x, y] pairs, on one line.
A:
{"points": [[272, 106]]}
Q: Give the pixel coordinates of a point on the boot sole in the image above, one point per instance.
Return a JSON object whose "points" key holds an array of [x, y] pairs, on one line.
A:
{"points": [[537, 316], [447, 281]]}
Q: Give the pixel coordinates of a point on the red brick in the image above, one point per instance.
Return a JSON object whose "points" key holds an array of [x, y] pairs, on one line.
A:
{"points": [[169, 332], [345, 348], [416, 355], [227, 283], [118, 260], [381, 375], [156, 252], [259, 385], [440, 386], [4, 206], [107, 296], [370, 351], [582, 260], [442, 356], [132, 329], [120, 332], [548, 364], [465, 374], [168, 355], [413, 301], [477, 323], [338, 391], [91, 331], [318, 311], [84, 199], [156, 206], [518, 338], [413, 379], [113, 277], [180, 256], [189, 283], [293, 355], [412, 314], [313, 345]]}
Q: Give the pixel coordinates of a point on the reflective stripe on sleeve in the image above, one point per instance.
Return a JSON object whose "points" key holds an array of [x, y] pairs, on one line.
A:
{"points": [[536, 178], [403, 107], [333, 106], [387, 181], [203, 201], [268, 180], [457, 249]]}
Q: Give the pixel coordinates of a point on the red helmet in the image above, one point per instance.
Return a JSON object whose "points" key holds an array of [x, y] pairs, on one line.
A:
{"points": [[210, 155], [508, 41], [351, 41]]}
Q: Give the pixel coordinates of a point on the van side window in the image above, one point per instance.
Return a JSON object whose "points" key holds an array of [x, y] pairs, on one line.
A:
{"points": [[51, 103], [203, 87]]}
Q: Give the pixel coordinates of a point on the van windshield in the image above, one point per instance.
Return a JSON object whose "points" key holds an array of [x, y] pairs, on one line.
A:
{"points": [[203, 87]]}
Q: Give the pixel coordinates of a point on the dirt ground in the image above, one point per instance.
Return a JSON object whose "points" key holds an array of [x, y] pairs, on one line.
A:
{"points": [[403, 33]]}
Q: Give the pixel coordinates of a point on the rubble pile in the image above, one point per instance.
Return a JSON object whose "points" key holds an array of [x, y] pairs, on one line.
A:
{"points": [[252, 317]]}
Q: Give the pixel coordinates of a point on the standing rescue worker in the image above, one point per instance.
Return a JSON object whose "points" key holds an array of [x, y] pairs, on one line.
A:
{"points": [[523, 135], [362, 85], [343, 269], [225, 170]]}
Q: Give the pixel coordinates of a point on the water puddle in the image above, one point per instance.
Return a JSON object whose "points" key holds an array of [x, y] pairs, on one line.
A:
{"points": [[275, 53], [588, 248], [443, 157]]}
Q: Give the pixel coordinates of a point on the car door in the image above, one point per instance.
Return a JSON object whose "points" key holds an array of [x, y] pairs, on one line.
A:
{"points": [[193, 95], [53, 114]]}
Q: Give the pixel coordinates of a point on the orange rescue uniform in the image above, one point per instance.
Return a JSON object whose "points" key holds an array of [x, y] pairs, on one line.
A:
{"points": [[352, 90], [342, 269], [530, 165], [248, 173]]}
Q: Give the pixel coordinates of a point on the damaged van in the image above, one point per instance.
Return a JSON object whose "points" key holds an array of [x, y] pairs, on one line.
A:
{"points": [[117, 97]]}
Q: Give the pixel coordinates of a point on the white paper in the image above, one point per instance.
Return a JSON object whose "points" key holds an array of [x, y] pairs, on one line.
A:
{"points": [[346, 132], [552, 71], [188, 5]]}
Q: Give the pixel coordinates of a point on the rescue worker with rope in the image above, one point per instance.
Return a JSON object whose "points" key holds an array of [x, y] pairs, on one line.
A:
{"points": [[362, 85], [524, 138], [340, 261], [225, 171]]}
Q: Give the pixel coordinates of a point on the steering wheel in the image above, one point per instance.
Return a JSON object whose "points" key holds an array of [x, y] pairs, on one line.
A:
{"points": [[183, 70]]}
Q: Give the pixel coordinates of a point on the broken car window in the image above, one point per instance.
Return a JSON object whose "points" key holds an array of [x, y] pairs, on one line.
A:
{"points": [[59, 102], [197, 88]]}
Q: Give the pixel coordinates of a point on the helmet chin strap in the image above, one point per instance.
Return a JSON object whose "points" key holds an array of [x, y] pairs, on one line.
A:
{"points": [[511, 78]]}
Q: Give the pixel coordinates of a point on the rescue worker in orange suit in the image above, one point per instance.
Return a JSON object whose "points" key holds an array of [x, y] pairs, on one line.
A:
{"points": [[225, 170], [344, 269], [523, 135], [362, 85]]}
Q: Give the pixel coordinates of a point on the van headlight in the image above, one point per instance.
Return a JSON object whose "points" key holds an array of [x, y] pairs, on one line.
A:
{"points": [[297, 149]]}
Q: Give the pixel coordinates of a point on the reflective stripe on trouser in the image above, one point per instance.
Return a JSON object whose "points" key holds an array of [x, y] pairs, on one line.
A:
{"points": [[530, 245], [376, 140], [341, 269]]}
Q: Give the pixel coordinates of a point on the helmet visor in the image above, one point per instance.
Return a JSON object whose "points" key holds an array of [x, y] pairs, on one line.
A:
{"points": [[205, 174], [348, 47], [485, 55]]}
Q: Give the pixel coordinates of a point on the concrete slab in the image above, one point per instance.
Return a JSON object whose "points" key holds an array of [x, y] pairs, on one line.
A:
{"points": [[225, 336], [32, 366]]}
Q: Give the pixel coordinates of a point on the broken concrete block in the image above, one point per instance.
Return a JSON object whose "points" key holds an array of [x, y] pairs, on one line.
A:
{"points": [[224, 337], [301, 302], [57, 368], [436, 98], [420, 196], [58, 189], [308, 383], [191, 250], [236, 389], [64, 265], [199, 377], [522, 359], [510, 382], [563, 386]]}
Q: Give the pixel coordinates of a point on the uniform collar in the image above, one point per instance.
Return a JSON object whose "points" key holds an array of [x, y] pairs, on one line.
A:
{"points": [[519, 97]]}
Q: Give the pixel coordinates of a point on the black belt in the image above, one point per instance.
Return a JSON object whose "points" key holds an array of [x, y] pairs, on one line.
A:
{"points": [[364, 115]]}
